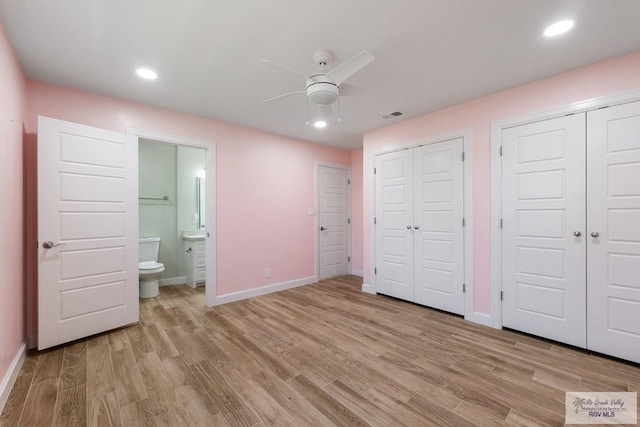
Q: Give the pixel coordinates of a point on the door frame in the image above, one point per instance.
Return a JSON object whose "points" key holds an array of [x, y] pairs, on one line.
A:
{"points": [[465, 134], [210, 198], [316, 234], [495, 318]]}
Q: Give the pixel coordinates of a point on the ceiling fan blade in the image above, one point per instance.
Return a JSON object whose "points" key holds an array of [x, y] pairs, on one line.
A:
{"points": [[283, 68], [349, 67], [350, 90], [284, 95]]}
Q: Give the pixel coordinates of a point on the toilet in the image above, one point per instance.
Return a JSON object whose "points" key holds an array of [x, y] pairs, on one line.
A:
{"points": [[149, 268]]}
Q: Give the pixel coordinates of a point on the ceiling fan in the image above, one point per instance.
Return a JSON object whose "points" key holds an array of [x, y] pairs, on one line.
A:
{"points": [[325, 87]]}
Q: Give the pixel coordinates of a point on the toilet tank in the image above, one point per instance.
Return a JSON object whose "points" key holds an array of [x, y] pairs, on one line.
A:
{"points": [[148, 248]]}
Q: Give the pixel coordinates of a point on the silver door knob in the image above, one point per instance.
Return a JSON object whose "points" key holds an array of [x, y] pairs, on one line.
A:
{"points": [[416, 226], [323, 228], [49, 244], [595, 234], [408, 227], [577, 233]]}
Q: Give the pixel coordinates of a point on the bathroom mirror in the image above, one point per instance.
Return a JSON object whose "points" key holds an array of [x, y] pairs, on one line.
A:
{"points": [[200, 201]]}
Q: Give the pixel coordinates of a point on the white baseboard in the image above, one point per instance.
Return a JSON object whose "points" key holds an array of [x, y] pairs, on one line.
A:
{"points": [[357, 272], [255, 292], [368, 289], [12, 373], [481, 318], [180, 280]]}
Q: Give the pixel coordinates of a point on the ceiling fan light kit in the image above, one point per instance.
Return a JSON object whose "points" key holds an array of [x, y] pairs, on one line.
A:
{"points": [[323, 88]]}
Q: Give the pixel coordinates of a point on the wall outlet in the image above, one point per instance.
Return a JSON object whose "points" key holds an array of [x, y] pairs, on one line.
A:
{"points": [[267, 272], [312, 211]]}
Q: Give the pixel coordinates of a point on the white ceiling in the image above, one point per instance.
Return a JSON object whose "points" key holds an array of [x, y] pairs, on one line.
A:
{"points": [[430, 54]]}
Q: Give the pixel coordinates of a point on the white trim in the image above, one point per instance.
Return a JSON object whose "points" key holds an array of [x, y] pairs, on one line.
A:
{"points": [[466, 135], [12, 374], [357, 272], [368, 289], [496, 178], [170, 281], [318, 165], [263, 290], [210, 208]]}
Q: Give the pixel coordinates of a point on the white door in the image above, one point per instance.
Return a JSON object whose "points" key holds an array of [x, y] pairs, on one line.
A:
{"points": [[333, 217], [394, 224], [87, 231], [438, 228], [613, 212], [544, 233]]}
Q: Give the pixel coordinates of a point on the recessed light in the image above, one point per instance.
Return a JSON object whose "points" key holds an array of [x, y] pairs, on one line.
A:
{"points": [[146, 73], [320, 124], [558, 28]]}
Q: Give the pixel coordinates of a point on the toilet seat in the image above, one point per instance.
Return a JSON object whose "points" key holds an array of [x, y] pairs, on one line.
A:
{"points": [[149, 265]]}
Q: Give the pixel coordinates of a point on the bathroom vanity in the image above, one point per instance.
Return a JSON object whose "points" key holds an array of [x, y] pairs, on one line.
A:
{"points": [[194, 258]]}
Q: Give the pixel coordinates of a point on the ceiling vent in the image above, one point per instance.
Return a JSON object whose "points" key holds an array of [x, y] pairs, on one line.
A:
{"points": [[393, 115]]}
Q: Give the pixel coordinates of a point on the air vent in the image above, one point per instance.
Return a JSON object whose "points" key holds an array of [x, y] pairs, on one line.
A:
{"points": [[393, 115]]}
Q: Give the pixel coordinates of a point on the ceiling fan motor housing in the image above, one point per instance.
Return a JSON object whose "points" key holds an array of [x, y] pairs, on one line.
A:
{"points": [[321, 90]]}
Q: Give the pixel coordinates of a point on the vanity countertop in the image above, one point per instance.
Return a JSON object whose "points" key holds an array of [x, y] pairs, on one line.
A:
{"points": [[194, 235]]}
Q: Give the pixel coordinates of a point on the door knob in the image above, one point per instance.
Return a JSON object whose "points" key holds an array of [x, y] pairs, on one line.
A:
{"points": [[595, 234], [49, 244], [416, 226], [408, 227], [577, 233], [323, 228]]}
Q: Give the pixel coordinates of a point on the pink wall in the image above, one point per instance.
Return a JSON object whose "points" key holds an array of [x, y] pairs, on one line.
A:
{"points": [[356, 211], [265, 183], [12, 99], [609, 77]]}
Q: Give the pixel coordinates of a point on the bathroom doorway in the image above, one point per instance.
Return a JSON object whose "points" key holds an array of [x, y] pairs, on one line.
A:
{"points": [[177, 204]]}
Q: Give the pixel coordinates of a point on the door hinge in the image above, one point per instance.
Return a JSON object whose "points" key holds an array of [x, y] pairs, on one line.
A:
{"points": [[463, 156], [348, 182], [374, 171], [348, 259], [501, 295], [375, 220], [375, 271], [463, 222], [464, 288], [501, 222], [501, 151], [348, 220]]}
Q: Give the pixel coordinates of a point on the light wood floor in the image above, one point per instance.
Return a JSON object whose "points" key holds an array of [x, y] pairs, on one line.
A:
{"points": [[322, 354]]}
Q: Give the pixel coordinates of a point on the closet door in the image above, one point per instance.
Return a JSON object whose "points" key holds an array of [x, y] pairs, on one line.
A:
{"points": [[613, 232], [438, 231], [394, 224], [544, 283]]}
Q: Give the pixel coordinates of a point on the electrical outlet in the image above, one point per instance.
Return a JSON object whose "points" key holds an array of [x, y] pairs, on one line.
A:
{"points": [[312, 211], [267, 272]]}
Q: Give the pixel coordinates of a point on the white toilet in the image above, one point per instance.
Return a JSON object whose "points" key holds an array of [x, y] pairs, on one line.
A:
{"points": [[149, 268]]}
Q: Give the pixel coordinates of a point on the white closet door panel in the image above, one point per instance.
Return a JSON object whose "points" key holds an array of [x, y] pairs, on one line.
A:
{"points": [[332, 216], [438, 213], [543, 168], [613, 211], [394, 221]]}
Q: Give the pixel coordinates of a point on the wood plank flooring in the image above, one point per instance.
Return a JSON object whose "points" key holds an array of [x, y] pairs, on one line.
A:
{"points": [[323, 354]]}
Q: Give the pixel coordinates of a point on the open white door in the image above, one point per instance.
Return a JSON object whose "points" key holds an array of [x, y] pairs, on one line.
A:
{"points": [[333, 218], [87, 231]]}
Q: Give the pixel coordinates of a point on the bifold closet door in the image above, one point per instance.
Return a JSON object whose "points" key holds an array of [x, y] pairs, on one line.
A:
{"points": [[543, 235], [438, 230], [613, 232], [394, 224]]}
